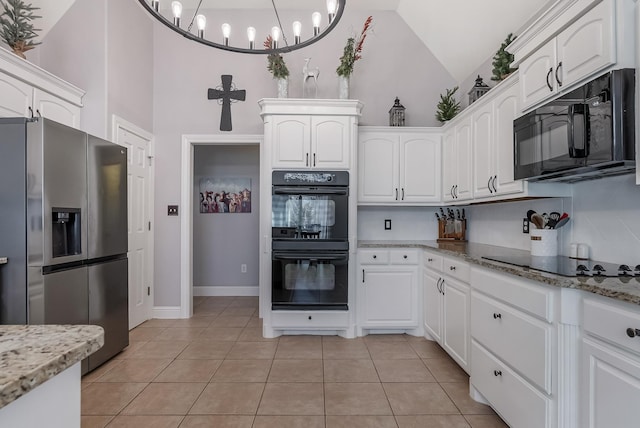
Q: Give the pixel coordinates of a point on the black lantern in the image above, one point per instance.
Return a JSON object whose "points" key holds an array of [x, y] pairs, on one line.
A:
{"points": [[478, 90], [396, 114]]}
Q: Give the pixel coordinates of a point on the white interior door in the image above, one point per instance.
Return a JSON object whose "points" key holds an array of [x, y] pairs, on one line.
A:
{"points": [[140, 194]]}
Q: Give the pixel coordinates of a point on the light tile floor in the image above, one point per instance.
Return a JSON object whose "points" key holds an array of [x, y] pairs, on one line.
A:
{"points": [[216, 370]]}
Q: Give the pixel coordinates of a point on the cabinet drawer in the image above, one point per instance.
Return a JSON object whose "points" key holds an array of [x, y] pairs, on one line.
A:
{"points": [[512, 397], [456, 269], [519, 340], [302, 320], [533, 298], [403, 257], [373, 257], [433, 261], [610, 322]]}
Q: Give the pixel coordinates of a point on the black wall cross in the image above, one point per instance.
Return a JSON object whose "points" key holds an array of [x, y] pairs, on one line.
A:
{"points": [[226, 94]]}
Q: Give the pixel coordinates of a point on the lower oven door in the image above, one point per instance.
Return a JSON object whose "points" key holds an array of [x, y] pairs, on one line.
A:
{"points": [[309, 280]]}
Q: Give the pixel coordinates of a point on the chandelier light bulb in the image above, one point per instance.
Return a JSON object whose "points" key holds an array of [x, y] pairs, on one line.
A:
{"points": [[331, 9], [251, 35], [155, 4], [176, 8], [275, 35], [297, 30], [226, 32], [201, 22], [316, 18]]}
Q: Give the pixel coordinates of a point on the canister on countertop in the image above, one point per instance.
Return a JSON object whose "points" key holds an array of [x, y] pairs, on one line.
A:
{"points": [[583, 251]]}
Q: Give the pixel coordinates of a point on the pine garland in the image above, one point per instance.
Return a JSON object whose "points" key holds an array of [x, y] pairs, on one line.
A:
{"points": [[448, 107], [276, 64], [16, 28], [502, 60]]}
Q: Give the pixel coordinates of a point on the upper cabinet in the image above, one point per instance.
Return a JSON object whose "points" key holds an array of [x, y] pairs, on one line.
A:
{"points": [[27, 91], [310, 134], [558, 52], [398, 166], [457, 162]]}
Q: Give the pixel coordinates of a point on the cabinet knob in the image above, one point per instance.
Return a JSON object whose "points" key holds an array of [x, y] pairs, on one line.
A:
{"points": [[309, 316], [374, 256], [405, 256], [429, 259], [497, 373], [497, 316], [452, 268], [633, 332]]}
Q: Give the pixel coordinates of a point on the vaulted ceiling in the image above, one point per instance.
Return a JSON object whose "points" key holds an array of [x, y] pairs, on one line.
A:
{"points": [[462, 34]]}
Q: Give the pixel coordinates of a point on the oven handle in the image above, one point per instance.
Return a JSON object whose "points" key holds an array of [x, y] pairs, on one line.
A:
{"points": [[307, 191], [573, 111], [310, 256]]}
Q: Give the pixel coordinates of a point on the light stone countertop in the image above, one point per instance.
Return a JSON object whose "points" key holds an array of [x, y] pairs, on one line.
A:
{"points": [[32, 354], [622, 288]]}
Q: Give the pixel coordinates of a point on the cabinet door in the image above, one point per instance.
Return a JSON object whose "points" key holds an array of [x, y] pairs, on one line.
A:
{"points": [[449, 164], [455, 338], [506, 108], [537, 79], [463, 189], [483, 169], [432, 304], [378, 168], [611, 389], [56, 109], [330, 142], [15, 97], [419, 168], [291, 142], [389, 296], [587, 45]]}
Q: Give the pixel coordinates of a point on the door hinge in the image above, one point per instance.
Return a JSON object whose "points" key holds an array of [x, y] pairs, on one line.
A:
{"points": [[148, 291]]}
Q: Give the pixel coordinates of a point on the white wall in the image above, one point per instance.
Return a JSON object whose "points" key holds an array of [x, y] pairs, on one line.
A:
{"points": [[407, 223], [222, 242]]}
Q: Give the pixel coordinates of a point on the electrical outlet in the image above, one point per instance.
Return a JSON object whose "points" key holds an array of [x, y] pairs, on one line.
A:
{"points": [[243, 268], [525, 225], [387, 224], [172, 210]]}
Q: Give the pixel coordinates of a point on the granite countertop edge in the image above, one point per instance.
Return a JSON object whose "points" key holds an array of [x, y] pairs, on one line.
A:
{"points": [[625, 289], [32, 354]]}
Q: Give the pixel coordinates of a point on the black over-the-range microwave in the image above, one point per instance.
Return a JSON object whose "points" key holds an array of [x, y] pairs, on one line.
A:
{"points": [[584, 134]]}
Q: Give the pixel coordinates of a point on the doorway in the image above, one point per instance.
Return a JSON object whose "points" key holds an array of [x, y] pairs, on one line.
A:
{"points": [[218, 157]]}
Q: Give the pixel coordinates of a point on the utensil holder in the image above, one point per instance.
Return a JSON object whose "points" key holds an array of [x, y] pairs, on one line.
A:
{"points": [[544, 242], [452, 230]]}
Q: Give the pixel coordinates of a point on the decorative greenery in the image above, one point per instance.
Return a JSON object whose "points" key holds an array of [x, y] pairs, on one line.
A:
{"points": [[502, 60], [448, 107], [352, 50], [276, 64], [16, 28]]}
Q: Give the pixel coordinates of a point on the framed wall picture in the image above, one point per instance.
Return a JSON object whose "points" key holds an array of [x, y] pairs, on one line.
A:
{"points": [[225, 195]]}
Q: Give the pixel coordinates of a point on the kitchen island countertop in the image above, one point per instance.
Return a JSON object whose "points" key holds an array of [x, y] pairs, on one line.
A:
{"points": [[622, 288], [32, 354]]}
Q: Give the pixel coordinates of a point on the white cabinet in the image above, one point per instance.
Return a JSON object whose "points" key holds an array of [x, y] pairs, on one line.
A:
{"points": [[457, 161], [610, 364], [514, 351], [388, 292], [579, 51], [446, 305], [36, 93], [398, 166], [322, 142], [493, 143]]}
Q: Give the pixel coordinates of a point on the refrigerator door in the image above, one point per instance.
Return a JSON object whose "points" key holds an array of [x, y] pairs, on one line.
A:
{"points": [[108, 307], [64, 185], [65, 297], [107, 185]]}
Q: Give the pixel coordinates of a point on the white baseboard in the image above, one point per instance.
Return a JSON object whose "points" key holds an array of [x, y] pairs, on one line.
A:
{"points": [[219, 290], [166, 312]]}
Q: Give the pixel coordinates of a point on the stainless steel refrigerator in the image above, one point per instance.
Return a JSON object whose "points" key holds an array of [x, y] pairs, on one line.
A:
{"points": [[63, 211]]}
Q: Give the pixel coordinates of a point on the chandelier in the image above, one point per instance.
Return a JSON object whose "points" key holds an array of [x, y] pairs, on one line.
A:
{"points": [[195, 28]]}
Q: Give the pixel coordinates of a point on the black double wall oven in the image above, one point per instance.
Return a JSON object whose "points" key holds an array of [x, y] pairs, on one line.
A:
{"points": [[310, 245]]}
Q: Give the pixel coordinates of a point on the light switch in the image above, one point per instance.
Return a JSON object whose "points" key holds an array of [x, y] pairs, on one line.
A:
{"points": [[387, 224]]}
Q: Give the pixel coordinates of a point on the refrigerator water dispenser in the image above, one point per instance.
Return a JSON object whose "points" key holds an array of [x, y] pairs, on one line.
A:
{"points": [[66, 232]]}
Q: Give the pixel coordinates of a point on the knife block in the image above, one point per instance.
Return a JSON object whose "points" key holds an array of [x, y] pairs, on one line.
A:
{"points": [[452, 230]]}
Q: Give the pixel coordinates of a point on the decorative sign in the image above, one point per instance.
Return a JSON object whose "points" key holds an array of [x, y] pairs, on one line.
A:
{"points": [[225, 195], [226, 94]]}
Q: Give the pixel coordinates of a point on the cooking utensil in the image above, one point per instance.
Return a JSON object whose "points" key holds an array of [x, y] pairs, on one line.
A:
{"points": [[562, 222], [554, 215], [564, 215], [530, 213], [537, 220], [463, 215]]}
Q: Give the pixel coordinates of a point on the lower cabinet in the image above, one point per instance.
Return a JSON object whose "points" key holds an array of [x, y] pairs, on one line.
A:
{"points": [[446, 305], [387, 290], [610, 364]]}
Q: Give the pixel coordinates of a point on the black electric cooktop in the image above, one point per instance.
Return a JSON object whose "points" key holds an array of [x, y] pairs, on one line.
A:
{"points": [[565, 266]]}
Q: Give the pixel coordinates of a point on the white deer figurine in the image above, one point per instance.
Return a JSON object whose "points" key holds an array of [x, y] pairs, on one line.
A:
{"points": [[310, 73]]}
